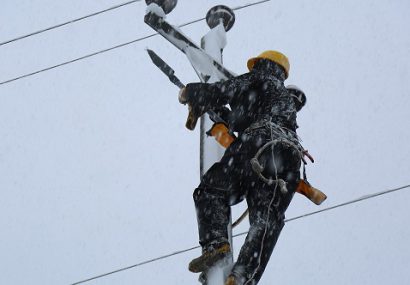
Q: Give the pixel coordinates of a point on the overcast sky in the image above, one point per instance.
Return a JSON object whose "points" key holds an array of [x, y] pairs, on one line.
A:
{"points": [[97, 169]]}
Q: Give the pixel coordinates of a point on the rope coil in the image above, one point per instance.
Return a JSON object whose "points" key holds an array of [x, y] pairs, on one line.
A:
{"points": [[284, 138]]}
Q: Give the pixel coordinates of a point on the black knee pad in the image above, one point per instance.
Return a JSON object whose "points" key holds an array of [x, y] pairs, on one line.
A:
{"points": [[201, 193]]}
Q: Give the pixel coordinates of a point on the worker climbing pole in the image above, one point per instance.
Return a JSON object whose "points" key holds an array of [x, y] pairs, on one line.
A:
{"points": [[253, 116]]}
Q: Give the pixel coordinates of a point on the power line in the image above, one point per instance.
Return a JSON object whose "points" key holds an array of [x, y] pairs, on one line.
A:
{"points": [[101, 12], [68, 22], [366, 197], [136, 265], [114, 47], [234, 9], [76, 59], [250, 4]]}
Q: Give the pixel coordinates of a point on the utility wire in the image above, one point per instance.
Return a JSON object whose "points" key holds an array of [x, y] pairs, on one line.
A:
{"points": [[76, 59], [114, 47], [136, 265], [234, 9], [250, 4], [366, 197], [101, 12], [68, 22]]}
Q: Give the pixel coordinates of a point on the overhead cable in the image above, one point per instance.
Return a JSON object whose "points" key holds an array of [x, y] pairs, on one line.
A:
{"points": [[76, 59], [366, 197], [113, 48], [67, 23]]}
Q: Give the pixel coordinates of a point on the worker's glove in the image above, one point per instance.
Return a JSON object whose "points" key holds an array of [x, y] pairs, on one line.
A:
{"points": [[182, 96], [194, 113], [192, 117], [191, 120], [186, 96], [190, 94]]}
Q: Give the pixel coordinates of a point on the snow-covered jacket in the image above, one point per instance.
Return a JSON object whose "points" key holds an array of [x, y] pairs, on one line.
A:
{"points": [[259, 95]]}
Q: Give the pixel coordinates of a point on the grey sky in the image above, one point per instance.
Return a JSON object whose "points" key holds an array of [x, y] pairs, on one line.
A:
{"points": [[97, 169]]}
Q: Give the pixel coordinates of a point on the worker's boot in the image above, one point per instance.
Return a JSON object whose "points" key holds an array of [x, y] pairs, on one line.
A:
{"points": [[209, 258]]}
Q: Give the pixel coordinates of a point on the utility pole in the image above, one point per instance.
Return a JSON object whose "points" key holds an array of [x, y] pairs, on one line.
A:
{"points": [[207, 63], [220, 20]]}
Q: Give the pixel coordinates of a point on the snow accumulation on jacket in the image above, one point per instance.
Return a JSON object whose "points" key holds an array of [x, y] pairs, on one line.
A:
{"points": [[259, 95]]}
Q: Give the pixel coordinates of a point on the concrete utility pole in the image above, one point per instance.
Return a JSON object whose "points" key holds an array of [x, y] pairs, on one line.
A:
{"points": [[220, 19], [207, 63]]}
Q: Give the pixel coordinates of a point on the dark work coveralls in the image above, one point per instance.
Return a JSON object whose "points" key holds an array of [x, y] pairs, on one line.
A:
{"points": [[261, 111]]}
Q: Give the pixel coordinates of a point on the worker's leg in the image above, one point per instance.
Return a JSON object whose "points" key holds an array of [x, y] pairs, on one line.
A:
{"points": [[219, 189], [267, 205]]}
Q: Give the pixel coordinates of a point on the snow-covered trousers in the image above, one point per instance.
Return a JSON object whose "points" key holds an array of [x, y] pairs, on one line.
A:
{"points": [[230, 181]]}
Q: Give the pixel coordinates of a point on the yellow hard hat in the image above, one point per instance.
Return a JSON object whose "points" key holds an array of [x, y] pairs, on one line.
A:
{"points": [[274, 56]]}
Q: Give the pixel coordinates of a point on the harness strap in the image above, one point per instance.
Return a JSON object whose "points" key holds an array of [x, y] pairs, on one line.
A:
{"points": [[258, 168]]}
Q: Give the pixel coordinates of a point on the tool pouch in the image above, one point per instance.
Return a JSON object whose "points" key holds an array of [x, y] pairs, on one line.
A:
{"points": [[221, 134], [313, 194]]}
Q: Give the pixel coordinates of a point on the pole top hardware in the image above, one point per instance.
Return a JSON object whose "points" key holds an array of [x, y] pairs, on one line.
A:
{"points": [[166, 5], [218, 13]]}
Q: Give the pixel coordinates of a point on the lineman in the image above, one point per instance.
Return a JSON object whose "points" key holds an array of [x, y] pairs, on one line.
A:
{"points": [[262, 164]]}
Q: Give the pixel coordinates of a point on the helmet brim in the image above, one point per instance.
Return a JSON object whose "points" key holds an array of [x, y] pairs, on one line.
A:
{"points": [[251, 63]]}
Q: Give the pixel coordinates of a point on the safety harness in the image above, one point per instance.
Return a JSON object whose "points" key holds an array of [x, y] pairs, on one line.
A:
{"points": [[283, 135]]}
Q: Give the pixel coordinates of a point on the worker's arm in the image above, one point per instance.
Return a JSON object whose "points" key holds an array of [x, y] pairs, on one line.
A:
{"points": [[202, 97]]}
